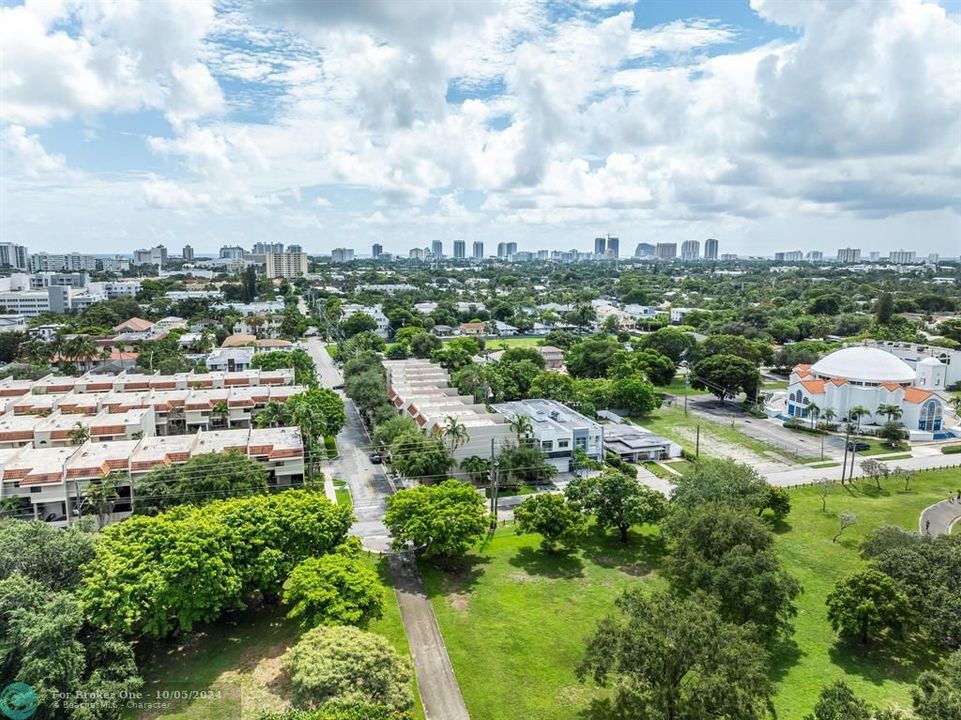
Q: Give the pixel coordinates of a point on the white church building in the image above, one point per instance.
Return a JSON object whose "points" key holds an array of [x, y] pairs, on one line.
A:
{"points": [[871, 378]]}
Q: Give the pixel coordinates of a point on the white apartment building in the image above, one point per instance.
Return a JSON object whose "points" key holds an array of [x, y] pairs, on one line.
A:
{"points": [[557, 430], [286, 264], [52, 481], [13, 256], [69, 262]]}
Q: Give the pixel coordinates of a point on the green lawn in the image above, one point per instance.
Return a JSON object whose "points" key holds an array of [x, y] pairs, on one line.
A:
{"points": [[515, 619], [677, 388], [242, 659], [343, 494], [499, 343]]}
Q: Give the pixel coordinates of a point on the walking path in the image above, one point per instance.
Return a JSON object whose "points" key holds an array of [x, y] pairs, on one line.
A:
{"points": [[369, 490], [439, 690], [941, 515]]}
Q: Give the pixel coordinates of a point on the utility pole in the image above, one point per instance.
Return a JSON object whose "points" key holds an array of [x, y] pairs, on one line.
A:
{"points": [[493, 488], [685, 394], [844, 465], [697, 443]]}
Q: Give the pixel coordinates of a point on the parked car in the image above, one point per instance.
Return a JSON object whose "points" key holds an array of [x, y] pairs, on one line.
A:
{"points": [[858, 446], [376, 459]]}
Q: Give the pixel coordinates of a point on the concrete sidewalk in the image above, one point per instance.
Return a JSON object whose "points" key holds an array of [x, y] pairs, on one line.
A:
{"points": [[438, 686]]}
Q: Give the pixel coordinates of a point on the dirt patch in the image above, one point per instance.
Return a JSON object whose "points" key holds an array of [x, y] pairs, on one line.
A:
{"points": [[712, 444], [460, 602], [523, 577]]}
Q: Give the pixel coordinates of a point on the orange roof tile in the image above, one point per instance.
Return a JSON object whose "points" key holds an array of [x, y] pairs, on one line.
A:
{"points": [[838, 382], [916, 395], [815, 387], [890, 386]]}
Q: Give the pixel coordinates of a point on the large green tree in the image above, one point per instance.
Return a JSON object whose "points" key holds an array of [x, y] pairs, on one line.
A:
{"points": [[937, 694], [676, 659], [726, 375], [866, 603], [347, 665], [200, 480], [721, 481], [442, 520], [671, 342], [334, 589], [422, 457], [154, 574], [592, 357], [557, 520], [299, 360], [729, 553], [617, 501]]}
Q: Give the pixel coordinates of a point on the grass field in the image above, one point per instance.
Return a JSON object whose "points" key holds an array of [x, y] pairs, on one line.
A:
{"points": [[342, 493], [241, 660], [515, 619], [499, 343]]}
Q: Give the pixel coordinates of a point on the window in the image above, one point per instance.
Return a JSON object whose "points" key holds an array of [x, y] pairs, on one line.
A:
{"points": [[563, 443], [547, 445], [930, 420]]}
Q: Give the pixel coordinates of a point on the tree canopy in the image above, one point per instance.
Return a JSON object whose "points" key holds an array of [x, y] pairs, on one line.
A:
{"points": [[442, 520]]}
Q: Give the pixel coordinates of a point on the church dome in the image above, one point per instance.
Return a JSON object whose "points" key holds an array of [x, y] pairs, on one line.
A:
{"points": [[865, 364]]}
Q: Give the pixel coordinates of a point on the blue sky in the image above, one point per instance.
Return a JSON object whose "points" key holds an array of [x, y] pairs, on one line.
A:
{"points": [[769, 124]]}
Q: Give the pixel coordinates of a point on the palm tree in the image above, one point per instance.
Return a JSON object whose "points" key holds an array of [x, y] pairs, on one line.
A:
{"points": [[80, 434], [476, 467], [890, 411], [521, 425], [220, 411], [103, 495], [814, 410], [274, 414], [857, 412], [829, 415], [454, 433]]}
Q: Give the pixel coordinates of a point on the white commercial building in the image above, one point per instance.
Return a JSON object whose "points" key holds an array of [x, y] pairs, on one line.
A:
{"points": [[557, 430], [913, 354]]}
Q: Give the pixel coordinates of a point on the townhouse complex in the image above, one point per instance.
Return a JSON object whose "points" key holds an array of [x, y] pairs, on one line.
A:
{"points": [[60, 433]]}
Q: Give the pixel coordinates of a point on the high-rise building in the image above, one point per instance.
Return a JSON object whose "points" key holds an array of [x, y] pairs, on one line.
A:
{"points": [[543, 254], [600, 246], [710, 249], [665, 251], [156, 255], [437, 249], [874, 255], [790, 256], [286, 264], [728, 256], [230, 252], [901, 257], [814, 255], [690, 250], [295, 249], [377, 250], [14, 256], [849, 255], [460, 249], [644, 250], [342, 255], [188, 253], [478, 250], [511, 250], [502, 250], [613, 247], [416, 254], [262, 248]]}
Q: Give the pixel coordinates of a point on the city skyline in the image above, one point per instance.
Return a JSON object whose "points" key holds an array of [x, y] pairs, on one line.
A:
{"points": [[758, 123]]}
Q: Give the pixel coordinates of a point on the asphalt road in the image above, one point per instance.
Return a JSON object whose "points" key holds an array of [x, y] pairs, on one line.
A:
{"points": [[369, 490]]}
